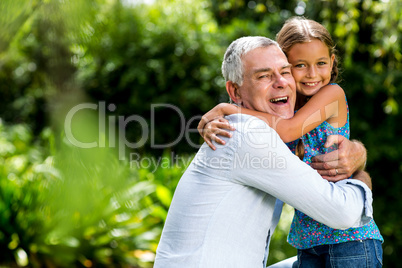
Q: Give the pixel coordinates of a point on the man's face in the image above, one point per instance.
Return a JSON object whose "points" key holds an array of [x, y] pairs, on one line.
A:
{"points": [[268, 84]]}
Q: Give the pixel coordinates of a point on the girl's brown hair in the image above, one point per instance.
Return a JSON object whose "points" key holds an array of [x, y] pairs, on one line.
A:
{"points": [[300, 30]]}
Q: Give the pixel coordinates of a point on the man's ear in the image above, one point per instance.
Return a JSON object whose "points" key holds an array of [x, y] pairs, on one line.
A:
{"points": [[233, 91]]}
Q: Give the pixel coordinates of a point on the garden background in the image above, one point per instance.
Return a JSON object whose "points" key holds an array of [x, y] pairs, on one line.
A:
{"points": [[92, 90]]}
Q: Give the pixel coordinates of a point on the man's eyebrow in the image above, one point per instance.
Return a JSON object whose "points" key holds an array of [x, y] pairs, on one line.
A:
{"points": [[267, 69], [261, 70]]}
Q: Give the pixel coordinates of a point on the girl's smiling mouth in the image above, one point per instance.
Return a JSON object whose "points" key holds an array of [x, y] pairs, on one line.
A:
{"points": [[311, 84]]}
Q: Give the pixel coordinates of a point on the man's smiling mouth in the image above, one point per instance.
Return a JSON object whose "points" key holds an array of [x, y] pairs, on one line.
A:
{"points": [[281, 99]]}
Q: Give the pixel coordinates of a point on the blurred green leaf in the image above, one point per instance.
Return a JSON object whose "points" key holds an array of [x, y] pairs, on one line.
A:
{"points": [[164, 195]]}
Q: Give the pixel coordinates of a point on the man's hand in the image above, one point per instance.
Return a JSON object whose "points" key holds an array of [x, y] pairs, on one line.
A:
{"points": [[342, 163], [364, 177]]}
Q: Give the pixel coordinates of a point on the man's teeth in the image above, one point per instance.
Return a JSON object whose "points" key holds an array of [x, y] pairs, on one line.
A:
{"points": [[284, 99]]}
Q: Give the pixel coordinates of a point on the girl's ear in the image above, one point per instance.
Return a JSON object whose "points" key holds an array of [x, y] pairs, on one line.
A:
{"points": [[234, 92], [332, 60]]}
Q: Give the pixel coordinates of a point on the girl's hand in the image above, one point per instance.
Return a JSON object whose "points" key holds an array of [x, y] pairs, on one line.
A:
{"points": [[215, 113], [213, 124], [213, 129]]}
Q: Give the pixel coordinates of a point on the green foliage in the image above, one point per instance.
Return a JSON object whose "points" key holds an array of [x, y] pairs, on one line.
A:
{"points": [[79, 207], [154, 54], [279, 249]]}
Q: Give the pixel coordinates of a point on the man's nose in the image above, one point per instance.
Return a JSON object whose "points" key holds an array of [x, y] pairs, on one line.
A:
{"points": [[281, 82]]}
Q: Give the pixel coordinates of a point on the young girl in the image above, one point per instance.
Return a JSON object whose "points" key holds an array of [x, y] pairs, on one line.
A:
{"points": [[323, 111]]}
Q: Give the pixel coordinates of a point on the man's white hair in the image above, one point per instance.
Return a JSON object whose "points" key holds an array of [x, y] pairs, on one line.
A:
{"points": [[232, 65]]}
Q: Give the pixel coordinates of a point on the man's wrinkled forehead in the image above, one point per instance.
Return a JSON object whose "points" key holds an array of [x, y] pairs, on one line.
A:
{"points": [[268, 64]]}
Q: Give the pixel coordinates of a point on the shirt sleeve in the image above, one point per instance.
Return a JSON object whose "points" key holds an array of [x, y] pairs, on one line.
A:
{"points": [[262, 160]]}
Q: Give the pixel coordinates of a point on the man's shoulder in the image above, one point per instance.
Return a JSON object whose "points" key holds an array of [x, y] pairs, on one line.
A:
{"points": [[245, 119], [251, 130], [245, 123]]}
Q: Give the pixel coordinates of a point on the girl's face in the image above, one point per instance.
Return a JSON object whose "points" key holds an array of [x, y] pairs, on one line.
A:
{"points": [[311, 66]]}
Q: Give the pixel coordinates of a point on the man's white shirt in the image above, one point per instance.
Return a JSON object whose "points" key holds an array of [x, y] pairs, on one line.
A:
{"points": [[225, 207]]}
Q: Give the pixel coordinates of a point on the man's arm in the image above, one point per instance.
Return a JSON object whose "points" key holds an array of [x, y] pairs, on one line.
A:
{"points": [[364, 177], [275, 170], [342, 163]]}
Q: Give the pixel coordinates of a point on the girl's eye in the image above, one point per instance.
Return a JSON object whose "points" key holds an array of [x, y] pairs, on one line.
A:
{"points": [[322, 63], [300, 65]]}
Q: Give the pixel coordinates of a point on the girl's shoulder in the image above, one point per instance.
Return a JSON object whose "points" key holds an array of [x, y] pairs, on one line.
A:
{"points": [[332, 90], [332, 86]]}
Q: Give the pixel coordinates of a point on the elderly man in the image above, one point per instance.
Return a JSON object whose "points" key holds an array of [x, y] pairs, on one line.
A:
{"points": [[225, 207]]}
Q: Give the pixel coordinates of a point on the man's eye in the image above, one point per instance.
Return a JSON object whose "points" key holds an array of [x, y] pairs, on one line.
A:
{"points": [[265, 76], [300, 65]]}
